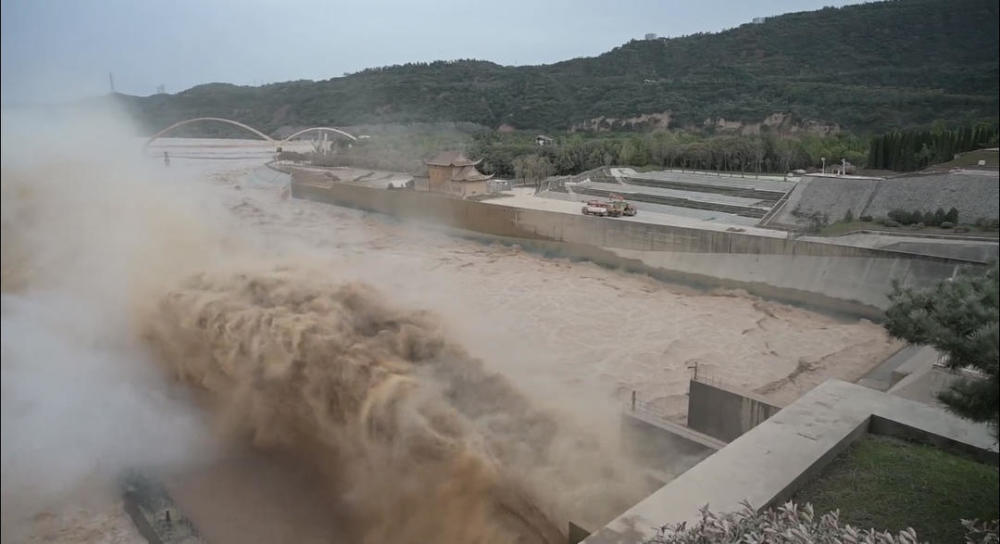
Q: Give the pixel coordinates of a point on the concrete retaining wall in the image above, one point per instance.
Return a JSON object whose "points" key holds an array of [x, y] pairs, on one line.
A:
{"points": [[840, 278], [831, 196], [974, 194], [724, 413]]}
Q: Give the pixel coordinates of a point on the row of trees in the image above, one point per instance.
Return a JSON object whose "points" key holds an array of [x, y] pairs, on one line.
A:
{"points": [[575, 153], [933, 219], [505, 154], [908, 150], [394, 148], [532, 169], [516, 155]]}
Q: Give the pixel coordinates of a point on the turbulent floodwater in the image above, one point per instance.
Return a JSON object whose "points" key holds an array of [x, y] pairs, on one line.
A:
{"points": [[576, 324], [430, 446], [440, 389]]}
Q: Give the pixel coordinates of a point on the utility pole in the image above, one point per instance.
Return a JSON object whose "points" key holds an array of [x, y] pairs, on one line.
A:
{"points": [[111, 81]]}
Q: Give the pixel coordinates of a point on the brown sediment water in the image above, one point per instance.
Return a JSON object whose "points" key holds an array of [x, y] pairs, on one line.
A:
{"points": [[494, 418], [422, 443], [252, 497]]}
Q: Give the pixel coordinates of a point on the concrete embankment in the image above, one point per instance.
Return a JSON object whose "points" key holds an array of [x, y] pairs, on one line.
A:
{"points": [[847, 279], [973, 193]]}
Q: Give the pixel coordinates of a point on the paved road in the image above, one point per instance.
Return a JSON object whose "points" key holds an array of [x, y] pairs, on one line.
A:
{"points": [[525, 198]]}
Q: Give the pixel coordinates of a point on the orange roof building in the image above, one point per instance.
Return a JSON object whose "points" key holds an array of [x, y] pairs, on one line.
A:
{"points": [[453, 172]]}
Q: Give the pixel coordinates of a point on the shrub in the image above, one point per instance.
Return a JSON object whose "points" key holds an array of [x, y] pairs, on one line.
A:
{"points": [[977, 532], [866, 218], [891, 223], [952, 215], [786, 524], [947, 225], [849, 216], [939, 217], [294, 156], [817, 221], [899, 216]]}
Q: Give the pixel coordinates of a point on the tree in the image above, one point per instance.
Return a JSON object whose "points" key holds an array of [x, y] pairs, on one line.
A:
{"points": [[957, 317], [952, 216], [532, 169], [627, 153], [939, 217]]}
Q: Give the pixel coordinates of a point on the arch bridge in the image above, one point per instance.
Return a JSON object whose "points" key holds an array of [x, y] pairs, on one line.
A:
{"points": [[319, 129], [265, 137]]}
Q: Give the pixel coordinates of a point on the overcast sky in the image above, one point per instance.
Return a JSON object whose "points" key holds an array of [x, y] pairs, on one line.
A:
{"points": [[56, 50]]}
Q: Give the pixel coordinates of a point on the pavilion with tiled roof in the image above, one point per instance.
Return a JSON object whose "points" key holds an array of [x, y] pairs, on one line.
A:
{"points": [[453, 172]]}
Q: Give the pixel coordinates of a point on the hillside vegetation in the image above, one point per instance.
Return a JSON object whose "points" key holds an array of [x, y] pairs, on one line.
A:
{"points": [[866, 68], [913, 150]]}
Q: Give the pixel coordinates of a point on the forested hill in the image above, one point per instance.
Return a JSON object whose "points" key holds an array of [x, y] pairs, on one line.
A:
{"points": [[865, 68]]}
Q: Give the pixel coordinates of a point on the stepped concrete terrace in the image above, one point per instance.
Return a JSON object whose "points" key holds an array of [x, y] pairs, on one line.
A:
{"points": [[747, 207], [742, 186]]}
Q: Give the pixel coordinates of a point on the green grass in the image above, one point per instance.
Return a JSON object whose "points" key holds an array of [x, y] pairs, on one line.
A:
{"points": [[971, 159], [841, 228], [889, 484]]}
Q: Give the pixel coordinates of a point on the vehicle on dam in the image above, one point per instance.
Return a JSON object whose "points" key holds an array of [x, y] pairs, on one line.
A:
{"points": [[616, 207], [595, 207]]}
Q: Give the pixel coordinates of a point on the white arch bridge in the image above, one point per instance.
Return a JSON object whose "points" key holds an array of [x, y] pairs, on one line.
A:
{"points": [[248, 128]]}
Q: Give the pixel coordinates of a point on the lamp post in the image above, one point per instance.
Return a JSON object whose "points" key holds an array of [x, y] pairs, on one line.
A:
{"points": [[824, 163]]}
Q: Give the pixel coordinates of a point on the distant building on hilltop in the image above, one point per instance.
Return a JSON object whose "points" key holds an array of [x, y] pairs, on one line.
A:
{"points": [[759, 20], [454, 173], [651, 36]]}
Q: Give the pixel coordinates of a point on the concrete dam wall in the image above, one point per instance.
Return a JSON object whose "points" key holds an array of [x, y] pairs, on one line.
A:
{"points": [[846, 279]]}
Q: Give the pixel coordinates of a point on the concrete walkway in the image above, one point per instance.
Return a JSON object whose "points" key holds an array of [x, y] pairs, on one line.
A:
{"points": [[525, 198], [882, 377], [774, 459]]}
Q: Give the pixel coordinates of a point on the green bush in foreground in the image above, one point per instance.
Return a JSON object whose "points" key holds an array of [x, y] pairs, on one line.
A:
{"points": [[791, 523]]}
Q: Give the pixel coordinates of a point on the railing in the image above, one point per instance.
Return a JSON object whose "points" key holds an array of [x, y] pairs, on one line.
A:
{"points": [[774, 209], [637, 406], [645, 410], [772, 176]]}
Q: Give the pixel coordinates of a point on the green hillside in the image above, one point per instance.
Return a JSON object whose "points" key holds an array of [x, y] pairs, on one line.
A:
{"points": [[865, 68]]}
